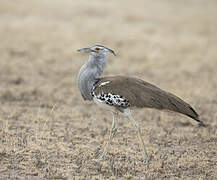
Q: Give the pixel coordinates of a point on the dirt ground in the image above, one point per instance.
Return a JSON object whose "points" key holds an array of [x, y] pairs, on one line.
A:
{"points": [[47, 131]]}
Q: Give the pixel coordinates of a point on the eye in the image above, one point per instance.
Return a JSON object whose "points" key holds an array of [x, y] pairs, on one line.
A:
{"points": [[97, 49]]}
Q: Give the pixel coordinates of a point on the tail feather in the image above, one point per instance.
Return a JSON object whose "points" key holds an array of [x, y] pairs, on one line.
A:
{"points": [[184, 108], [194, 115]]}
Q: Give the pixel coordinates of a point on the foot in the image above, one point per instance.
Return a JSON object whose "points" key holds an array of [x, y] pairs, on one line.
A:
{"points": [[147, 159], [101, 158]]}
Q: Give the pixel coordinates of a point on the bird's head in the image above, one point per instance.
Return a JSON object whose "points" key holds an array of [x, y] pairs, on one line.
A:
{"points": [[97, 50]]}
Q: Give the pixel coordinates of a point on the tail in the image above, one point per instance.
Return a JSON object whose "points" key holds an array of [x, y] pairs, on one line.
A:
{"points": [[180, 106], [196, 117]]}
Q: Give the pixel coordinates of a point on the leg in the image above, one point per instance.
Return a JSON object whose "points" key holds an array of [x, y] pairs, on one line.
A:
{"points": [[111, 135], [147, 158]]}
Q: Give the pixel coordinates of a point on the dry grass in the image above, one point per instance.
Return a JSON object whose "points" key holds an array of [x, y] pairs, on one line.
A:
{"points": [[48, 132]]}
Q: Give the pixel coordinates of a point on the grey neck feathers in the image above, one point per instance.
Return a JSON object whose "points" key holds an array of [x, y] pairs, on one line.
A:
{"points": [[89, 73]]}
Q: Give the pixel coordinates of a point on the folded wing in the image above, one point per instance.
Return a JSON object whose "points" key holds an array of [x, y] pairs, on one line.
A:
{"points": [[144, 95]]}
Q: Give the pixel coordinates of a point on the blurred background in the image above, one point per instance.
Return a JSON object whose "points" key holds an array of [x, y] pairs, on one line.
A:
{"points": [[43, 118]]}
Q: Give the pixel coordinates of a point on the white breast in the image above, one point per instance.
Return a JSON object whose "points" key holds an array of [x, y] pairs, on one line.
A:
{"points": [[103, 105]]}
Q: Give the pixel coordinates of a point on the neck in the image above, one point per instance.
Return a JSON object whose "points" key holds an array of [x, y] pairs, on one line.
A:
{"points": [[89, 73]]}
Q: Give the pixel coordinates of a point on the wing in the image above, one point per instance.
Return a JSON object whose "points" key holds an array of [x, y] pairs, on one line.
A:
{"points": [[143, 94]]}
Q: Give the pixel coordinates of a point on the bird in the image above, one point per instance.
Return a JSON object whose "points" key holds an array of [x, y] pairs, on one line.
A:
{"points": [[121, 94]]}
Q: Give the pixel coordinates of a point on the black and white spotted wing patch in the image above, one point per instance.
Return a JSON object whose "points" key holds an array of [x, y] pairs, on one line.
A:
{"points": [[112, 99]]}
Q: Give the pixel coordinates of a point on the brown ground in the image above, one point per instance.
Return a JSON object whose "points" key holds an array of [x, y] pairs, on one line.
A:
{"points": [[48, 132]]}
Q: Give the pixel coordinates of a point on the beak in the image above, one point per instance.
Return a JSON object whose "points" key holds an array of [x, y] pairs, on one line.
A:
{"points": [[86, 50]]}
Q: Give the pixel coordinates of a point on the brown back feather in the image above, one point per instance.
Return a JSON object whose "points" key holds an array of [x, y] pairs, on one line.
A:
{"points": [[143, 94]]}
